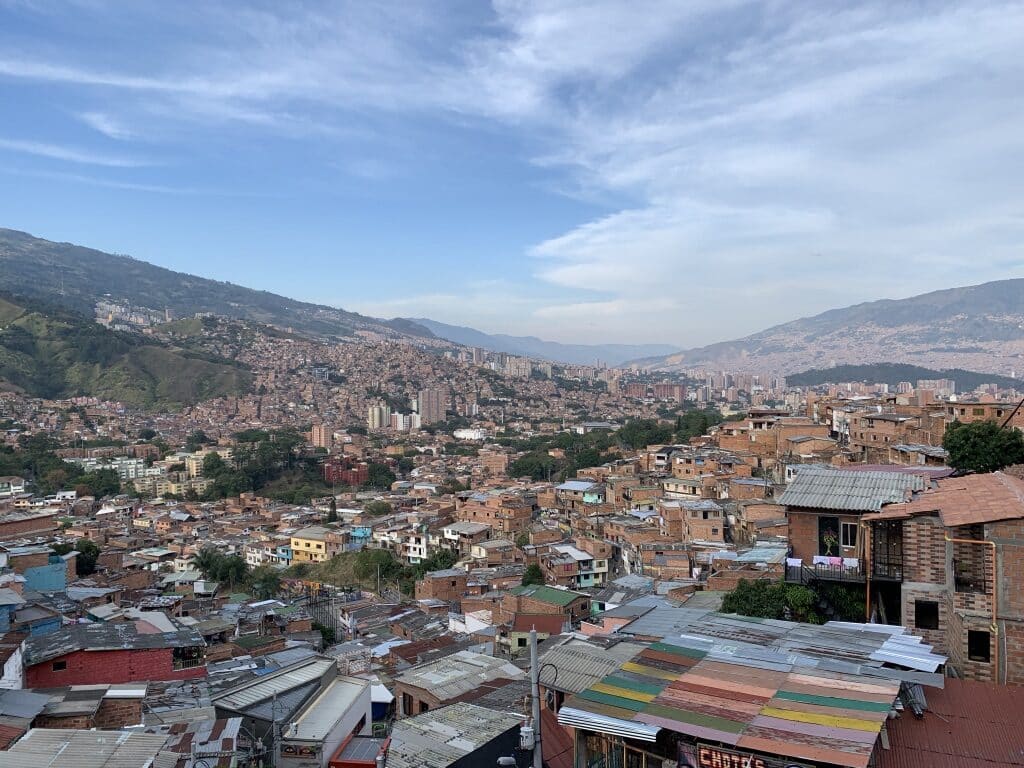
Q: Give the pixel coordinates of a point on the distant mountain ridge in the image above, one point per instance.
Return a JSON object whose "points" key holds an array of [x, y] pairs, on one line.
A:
{"points": [[977, 328], [531, 346], [42, 269]]}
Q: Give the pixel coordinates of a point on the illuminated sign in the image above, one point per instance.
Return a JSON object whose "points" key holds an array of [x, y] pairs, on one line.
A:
{"points": [[703, 756]]}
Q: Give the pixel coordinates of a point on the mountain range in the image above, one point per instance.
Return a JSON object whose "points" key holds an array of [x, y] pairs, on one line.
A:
{"points": [[531, 346], [978, 327], [42, 269]]}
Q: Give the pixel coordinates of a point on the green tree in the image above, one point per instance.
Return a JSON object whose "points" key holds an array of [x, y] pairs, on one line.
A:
{"points": [[533, 575], [639, 433], [381, 476], [196, 440], [207, 561], [523, 539], [772, 600], [368, 561], [377, 508], [266, 582], [147, 434], [983, 446], [234, 570], [537, 465], [88, 554], [100, 483]]}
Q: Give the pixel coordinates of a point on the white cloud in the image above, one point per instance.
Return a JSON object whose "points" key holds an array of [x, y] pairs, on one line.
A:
{"points": [[776, 159], [105, 124], [70, 154]]}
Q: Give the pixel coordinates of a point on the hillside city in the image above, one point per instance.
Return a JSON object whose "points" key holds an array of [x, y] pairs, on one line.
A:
{"points": [[354, 562], [511, 384]]}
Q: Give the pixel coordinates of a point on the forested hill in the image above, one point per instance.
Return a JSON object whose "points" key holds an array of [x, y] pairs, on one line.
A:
{"points": [[56, 353], [892, 374]]}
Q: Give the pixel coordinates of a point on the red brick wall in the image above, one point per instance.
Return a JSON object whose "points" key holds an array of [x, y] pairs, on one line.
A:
{"points": [[94, 667]]}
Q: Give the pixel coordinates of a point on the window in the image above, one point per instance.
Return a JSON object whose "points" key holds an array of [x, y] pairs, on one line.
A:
{"points": [[926, 614], [978, 645], [714, 531], [521, 642], [59, 666], [977, 411], [849, 533], [407, 704]]}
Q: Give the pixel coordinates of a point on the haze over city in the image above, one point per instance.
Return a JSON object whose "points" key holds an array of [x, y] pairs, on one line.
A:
{"points": [[605, 171]]}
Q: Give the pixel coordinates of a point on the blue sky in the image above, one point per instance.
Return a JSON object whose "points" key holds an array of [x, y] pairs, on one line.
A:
{"points": [[680, 172]]}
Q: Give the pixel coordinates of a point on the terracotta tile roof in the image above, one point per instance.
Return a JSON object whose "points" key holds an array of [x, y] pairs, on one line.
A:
{"points": [[967, 724], [967, 500]]}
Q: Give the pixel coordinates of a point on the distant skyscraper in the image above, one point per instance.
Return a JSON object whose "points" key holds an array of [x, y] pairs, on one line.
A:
{"points": [[378, 417], [322, 436], [432, 405]]}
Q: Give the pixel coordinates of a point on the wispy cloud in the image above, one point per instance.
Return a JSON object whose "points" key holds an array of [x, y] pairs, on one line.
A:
{"points": [[70, 154], [755, 157], [105, 124]]}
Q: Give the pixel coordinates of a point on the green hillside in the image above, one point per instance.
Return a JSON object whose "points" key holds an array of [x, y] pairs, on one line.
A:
{"points": [[53, 353], [893, 373]]}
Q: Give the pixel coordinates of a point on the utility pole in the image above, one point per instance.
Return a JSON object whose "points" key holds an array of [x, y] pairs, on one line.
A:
{"points": [[538, 753]]}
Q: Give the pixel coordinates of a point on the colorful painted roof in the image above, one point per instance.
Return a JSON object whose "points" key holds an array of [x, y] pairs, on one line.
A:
{"points": [[773, 706]]}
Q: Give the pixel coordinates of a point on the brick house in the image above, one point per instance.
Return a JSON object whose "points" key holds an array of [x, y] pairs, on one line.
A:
{"points": [[448, 585], [950, 565], [88, 654], [824, 508], [538, 598]]}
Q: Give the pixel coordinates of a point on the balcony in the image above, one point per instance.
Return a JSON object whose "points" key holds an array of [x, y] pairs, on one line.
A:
{"points": [[808, 573]]}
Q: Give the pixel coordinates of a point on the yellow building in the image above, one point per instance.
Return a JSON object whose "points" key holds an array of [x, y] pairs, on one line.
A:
{"points": [[309, 545]]}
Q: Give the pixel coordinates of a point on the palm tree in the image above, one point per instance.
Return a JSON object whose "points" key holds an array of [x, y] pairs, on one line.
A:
{"points": [[208, 561]]}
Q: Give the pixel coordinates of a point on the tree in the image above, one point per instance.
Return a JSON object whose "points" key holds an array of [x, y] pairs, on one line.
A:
{"points": [[147, 434], [100, 483], [639, 433], [381, 475], [377, 508], [207, 561], [266, 582], [533, 575], [522, 540], [368, 561], [772, 600], [233, 569], [88, 554], [983, 446], [332, 512], [196, 439]]}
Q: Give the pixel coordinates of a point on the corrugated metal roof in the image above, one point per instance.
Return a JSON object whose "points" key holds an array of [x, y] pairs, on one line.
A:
{"points": [[57, 747], [574, 668], [321, 714], [850, 491], [277, 683], [765, 701], [455, 675], [438, 738], [968, 723]]}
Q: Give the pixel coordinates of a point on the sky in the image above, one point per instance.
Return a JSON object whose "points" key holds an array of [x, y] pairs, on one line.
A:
{"points": [[677, 172]]}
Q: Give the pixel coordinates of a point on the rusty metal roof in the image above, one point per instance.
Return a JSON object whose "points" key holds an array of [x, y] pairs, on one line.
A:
{"points": [[966, 724]]}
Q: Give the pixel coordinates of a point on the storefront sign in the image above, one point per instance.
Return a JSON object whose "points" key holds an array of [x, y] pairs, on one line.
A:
{"points": [[702, 756]]}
